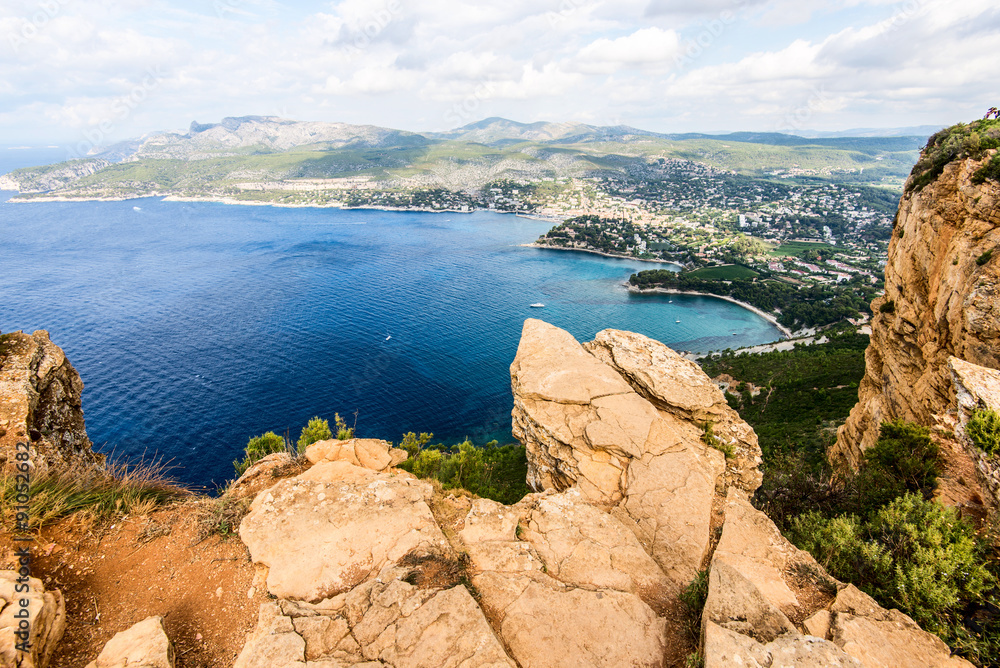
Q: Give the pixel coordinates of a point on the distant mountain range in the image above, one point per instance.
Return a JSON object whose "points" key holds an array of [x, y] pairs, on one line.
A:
{"points": [[279, 134], [255, 152]]}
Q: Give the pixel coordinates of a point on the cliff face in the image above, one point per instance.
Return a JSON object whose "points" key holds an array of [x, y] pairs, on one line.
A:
{"points": [[942, 300], [40, 405]]}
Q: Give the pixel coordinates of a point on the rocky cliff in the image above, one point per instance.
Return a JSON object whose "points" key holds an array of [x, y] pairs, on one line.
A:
{"points": [[942, 300], [643, 477], [40, 406]]}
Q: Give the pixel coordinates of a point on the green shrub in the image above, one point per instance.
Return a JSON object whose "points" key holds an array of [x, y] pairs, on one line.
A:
{"points": [[985, 257], [693, 597], [912, 554], [413, 443], [958, 141], [887, 307], [259, 447], [316, 430], [991, 170], [906, 451], [343, 431], [984, 430], [492, 471]]}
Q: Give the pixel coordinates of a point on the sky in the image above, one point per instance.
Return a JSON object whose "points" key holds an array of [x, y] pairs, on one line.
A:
{"points": [[99, 71]]}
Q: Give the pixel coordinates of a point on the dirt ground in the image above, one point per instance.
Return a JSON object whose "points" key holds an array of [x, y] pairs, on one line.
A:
{"points": [[120, 573]]}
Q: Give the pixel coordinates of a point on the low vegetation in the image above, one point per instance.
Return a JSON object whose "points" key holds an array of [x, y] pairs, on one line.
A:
{"points": [[493, 471], [957, 142], [315, 430], [99, 494], [880, 528], [882, 531], [259, 447], [984, 430], [798, 396]]}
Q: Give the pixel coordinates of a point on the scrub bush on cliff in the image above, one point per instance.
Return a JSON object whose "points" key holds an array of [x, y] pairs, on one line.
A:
{"points": [[315, 430], [492, 471], [259, 447], [984, 430], [912, 554]]}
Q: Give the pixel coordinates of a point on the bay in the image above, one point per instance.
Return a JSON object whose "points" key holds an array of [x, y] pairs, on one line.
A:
{"points": [[196, 325]]}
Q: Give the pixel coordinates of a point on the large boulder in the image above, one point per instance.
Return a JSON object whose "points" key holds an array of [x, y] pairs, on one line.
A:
{"points": [[369, 453], [39, 625], [330, 528], [144, 645]]}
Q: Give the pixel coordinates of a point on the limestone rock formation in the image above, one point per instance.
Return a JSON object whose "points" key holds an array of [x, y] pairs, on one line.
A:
{"points": [[261, 475], [942, 299], [384, 622], [679, 387], [40, 406], [372, 567], [43, 624], [143, 645], [624, 419], [370, 453]]}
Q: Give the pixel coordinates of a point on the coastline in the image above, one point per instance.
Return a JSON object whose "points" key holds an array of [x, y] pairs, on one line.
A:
{"points": [[241, 202], [787, 333], [602, 253]]}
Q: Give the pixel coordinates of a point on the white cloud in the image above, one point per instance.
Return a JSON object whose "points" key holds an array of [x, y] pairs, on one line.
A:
{"points": [[645, 47], [659, 64]]}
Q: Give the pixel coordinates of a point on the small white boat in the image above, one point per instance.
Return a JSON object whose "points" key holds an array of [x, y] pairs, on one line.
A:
{"points": [[135, 208], [677, 321], [388, 337], [538, 306]]}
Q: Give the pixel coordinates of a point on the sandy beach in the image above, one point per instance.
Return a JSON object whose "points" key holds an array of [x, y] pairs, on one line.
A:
{"points": [[764, 314]]}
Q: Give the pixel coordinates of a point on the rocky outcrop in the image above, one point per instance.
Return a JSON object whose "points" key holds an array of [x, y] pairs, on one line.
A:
{"points": [[678, 387], [35, 618], [40, 406], [370, 453], [626, 420], [372, 567], [368, 521], [387, 621], [144, 645], [942, 299]]}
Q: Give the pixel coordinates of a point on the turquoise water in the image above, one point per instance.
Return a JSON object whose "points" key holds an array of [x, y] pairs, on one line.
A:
{"points": [[196, 326]]}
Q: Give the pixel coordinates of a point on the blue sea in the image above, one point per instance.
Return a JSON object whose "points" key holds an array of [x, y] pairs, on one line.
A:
{"points": [[196, 326]]}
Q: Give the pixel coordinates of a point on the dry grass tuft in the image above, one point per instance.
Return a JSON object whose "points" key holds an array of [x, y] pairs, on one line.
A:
{"points": [[99, 494]]}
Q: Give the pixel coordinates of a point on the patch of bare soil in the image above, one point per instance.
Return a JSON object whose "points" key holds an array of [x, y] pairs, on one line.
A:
{"points": [[158, 564]]}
